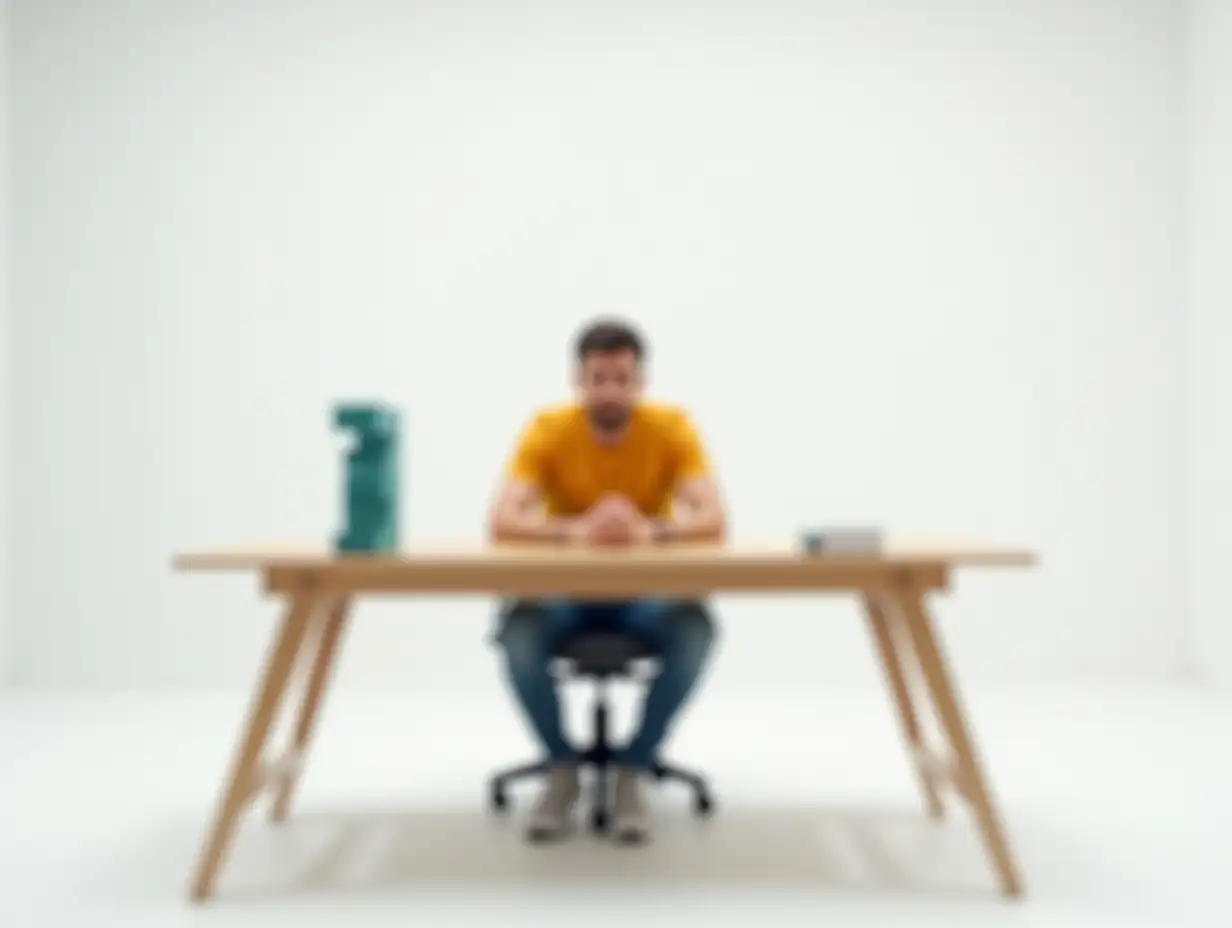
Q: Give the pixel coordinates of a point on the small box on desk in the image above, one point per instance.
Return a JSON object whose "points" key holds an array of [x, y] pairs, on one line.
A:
{"points": [[848, 541]]}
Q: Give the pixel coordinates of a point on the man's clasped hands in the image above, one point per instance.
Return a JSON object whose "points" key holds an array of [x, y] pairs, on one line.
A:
{"points": [[613, 521]]}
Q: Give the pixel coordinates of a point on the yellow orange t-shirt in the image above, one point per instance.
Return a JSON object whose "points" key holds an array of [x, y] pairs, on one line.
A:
{"points": [[559, 454]]}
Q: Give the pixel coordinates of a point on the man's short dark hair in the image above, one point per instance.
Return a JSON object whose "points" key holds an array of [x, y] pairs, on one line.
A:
{"points": [[608, 335]]}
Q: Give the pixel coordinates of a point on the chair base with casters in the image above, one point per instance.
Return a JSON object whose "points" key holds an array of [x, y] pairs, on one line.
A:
{"points": [[601, 657]]}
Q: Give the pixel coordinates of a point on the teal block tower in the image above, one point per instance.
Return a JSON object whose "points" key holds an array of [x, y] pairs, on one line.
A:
{"points": [[371, 491]]}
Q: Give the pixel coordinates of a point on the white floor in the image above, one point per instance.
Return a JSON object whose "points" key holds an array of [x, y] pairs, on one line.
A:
{"points": [[1118, 804]]}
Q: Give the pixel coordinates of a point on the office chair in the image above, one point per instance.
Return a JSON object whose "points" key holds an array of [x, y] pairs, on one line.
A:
{"points": [[600, 657]]}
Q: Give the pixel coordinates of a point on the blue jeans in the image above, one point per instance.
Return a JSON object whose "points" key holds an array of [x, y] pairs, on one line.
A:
{"points": [[680, 633]]}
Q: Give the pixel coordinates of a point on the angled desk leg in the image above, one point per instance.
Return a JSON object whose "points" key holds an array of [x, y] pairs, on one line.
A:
{"points": [[888, 639], [246, 777], [310, 707], [968, 774]]}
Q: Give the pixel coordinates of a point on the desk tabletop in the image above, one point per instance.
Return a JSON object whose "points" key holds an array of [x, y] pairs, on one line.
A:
{"points": [[896, 551]]}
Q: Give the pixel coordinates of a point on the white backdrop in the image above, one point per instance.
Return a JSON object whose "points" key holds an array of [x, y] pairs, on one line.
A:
{"points": [[911, 263], [1210, 211], [5, 393]]}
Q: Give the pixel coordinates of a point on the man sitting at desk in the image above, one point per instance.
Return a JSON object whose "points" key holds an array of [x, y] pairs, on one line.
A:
{"points": [[607, 470]]}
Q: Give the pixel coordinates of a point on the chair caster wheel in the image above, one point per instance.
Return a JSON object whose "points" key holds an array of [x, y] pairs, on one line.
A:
{"points": [[499, 801], [598, 820], [703, 805]]}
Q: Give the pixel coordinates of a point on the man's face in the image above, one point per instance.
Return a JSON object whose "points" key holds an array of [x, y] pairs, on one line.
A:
{"points": [[611, 384]]}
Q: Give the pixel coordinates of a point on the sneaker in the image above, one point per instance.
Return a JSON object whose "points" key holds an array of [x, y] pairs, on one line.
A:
{"points": [[552, 815], [630, 819]]}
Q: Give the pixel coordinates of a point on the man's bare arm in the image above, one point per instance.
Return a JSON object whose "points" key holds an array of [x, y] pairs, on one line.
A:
{"points": [[698, 515], [518, 515]]}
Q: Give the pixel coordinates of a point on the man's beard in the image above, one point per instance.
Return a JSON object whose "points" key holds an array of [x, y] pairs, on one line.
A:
{"points": [[608, 419]]}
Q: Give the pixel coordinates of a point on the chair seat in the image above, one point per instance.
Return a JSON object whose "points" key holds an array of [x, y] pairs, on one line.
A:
{"points": [[603, 653]]}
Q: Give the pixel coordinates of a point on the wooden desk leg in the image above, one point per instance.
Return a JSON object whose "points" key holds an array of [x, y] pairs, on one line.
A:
{"points": [[974, 784], [888, 649], [310, 707], [245, 769]]}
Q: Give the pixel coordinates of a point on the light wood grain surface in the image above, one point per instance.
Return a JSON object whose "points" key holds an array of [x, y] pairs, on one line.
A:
{"points": [[459, 556]]}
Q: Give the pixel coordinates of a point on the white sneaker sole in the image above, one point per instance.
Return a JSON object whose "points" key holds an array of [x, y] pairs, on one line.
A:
{"points": [[631, 835]]}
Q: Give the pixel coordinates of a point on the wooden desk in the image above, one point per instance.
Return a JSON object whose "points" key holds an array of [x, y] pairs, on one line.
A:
{"points": [[319, 587]]}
